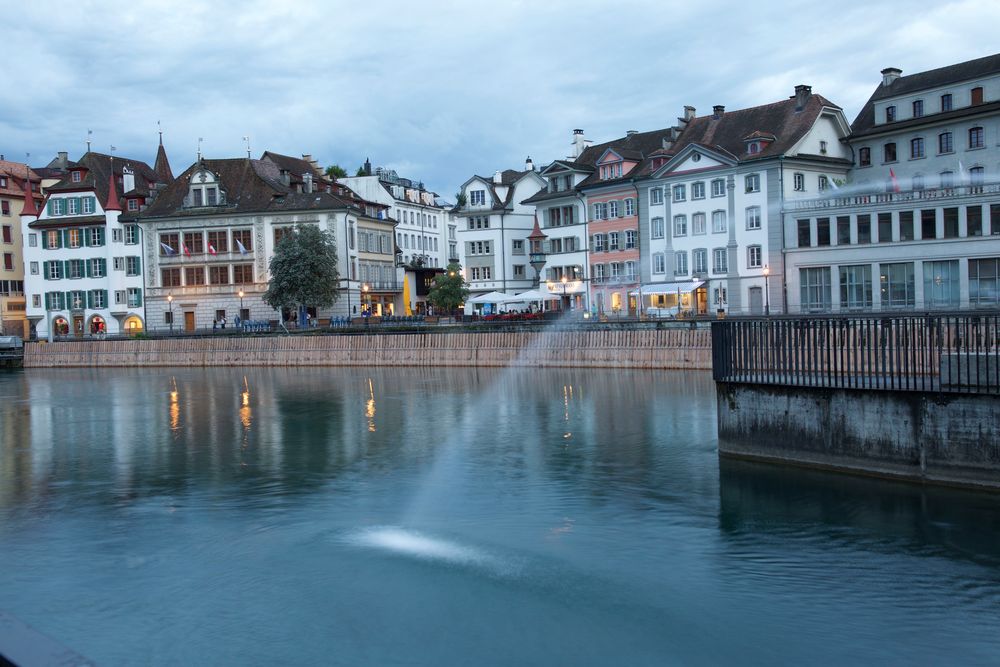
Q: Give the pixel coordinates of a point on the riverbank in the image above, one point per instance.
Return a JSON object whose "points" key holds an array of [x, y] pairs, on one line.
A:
{"points": [[662, 348]]}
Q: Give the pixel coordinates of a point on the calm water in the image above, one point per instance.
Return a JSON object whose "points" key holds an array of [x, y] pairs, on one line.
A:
{"points": [[492, 517]]}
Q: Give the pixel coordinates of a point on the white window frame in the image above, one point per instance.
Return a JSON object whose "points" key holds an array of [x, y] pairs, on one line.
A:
{"points": [[680, 225], [656, 228], [698, 190], [655, 196], [719, 225], [679, 192], [755, 257], [718, 187], [753, 217], [752, 183]]}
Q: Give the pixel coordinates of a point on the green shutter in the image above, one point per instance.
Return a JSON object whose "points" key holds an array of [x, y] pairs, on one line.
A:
{"points": [[100, 236], [45, 270], [48, 211], [138, 302], [86, 269], [88, 299], [48, 301], [106, 302], [68, 301], [79, 205], [84, 233], [93, 204], [104, 266]]}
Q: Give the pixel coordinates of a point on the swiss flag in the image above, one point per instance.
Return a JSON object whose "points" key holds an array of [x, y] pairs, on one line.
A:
{"points": [[185, 249], [211, 249]]}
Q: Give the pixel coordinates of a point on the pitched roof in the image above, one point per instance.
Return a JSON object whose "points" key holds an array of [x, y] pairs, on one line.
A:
{"points": [[635, 147], [162, 165], [508, 177], [15, 173], [249, 186], [100, 173], [935, 78]]}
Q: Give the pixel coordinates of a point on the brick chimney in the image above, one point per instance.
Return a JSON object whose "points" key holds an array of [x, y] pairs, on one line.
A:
{"points": [[717, 111], [802, 95], [890, 74]]}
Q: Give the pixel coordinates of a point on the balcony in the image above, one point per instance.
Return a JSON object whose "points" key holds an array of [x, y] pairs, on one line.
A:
{"points": [[931, 195]]}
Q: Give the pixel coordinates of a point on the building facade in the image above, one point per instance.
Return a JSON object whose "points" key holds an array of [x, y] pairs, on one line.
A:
{"points": [[82, 254], [917, 225], [17, 184]]}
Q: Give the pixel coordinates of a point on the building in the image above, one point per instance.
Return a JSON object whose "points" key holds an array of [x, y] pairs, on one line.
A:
{"points": [[209, 237], [16, 182], [493, 225], [711, 207], [422, 222], [82, 251], [917, 225]]}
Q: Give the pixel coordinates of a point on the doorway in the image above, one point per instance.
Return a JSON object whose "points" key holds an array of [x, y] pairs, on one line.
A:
{"points": [[756, 301], [188, 320], [78, 325]]}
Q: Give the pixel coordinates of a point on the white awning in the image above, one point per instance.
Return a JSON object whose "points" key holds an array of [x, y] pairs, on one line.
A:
{"points": [[531, 295], [492, 297], [682, 286]]}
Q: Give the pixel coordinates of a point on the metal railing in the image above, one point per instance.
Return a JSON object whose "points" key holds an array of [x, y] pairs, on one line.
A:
{"points": [[952, 353]]}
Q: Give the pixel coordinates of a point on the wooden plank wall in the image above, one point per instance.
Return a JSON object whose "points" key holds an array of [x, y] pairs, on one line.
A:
{"points": [[621, 348]]}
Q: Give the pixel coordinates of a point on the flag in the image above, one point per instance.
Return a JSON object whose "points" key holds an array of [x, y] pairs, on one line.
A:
{"points": [[961, 172], [167, 249], [833, 185], [242, 248], [211, 249], [895, 183], [185, 249]]}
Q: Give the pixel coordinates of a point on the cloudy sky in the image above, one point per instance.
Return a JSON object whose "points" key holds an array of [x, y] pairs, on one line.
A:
{"points": [[438, 90]]}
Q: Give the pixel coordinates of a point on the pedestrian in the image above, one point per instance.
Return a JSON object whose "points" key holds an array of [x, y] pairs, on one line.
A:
{"points": [[223, 321], [215, 324]]}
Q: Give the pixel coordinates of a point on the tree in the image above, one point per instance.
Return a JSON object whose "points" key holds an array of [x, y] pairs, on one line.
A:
{"points": [[303, 270], [449, 290], [361, 171], [335, 171], [460, 199]]}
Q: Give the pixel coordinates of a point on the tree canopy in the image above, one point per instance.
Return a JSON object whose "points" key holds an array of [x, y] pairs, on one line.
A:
{"points": [[336, 171], [303, 269], [449, 290]]}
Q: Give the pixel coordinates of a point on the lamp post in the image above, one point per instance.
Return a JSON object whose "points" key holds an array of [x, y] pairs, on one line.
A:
{"points": [[365, 303], [767, 296], [563, 281], [170, 303], [241, 306]]}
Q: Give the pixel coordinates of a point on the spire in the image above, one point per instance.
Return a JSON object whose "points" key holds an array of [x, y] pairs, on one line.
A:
{"points": [[29, 207], [162, 165], [536, 233], [113, 203]]}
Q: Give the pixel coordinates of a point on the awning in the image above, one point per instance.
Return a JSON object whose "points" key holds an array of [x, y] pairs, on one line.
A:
{"points": [[531, 295], [493, 297], [683, 286]]}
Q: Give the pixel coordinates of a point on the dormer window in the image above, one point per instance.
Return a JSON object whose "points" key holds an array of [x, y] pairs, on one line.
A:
{"points": [[477, 197], [76, 176], [609, 171], [133, 204], [890, 114], [753, 147], [204, 190]]}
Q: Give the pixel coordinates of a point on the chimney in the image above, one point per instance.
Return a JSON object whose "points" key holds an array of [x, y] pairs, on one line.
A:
{"points": [[286, 177], [629, 133], [128, 180], [63, 159], [307, 180], [529, 165], [717, 111], [579, 143], [802, 95], [497, 178], [688, 113], [889, 75]]}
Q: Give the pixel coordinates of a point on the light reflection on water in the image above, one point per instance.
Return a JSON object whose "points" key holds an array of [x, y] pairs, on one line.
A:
{"points": [[518, 516]]}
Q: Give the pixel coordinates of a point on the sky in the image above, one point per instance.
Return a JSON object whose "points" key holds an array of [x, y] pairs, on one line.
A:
{"points": [[438, 91]]}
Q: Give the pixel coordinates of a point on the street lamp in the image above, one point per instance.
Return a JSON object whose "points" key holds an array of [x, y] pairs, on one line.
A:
{"points": [[563, 281], [767, 296], [170, 302], [365, 303], [241, 306]]}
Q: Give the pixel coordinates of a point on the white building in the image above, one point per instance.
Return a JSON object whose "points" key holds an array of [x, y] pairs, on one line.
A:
{"points": [[492, 230], [917, 226], [711, 224], [82, 252]]}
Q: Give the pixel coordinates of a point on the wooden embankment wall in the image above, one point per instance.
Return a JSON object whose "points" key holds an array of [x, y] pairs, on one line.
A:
{"points": [[618, 348]]}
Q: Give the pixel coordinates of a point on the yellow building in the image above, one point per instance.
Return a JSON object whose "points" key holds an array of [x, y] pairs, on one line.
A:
{"points": [[13, 176]]}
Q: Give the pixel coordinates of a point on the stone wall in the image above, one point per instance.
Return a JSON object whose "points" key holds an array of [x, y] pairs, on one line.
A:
{"points": [[681, 348], [943, 438]]}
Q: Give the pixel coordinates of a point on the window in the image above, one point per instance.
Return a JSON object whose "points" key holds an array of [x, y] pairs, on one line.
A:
{"points": [[864, 228], [950, 222], [601, 211], [613, 241], [88, 204], [946, 102], [630, 270], [984, 282], [815, 289], [823, 231], [843, 230], [73, 238], [597, 242], [916, 148], [896, 285], [975, 137], [753, 217], [98, 268], [823, 183], [822, 148], [477, 197], [169, 244], [656, 228], [131, 234], [58, 206], [134, 297], [133, 204], [680, 193], [699, 258], [73, 205], [218, 241], [116, 235], [170, 277], [519, 271], [597, 271], [194, 275], [8, 261], [8, 234], [612, 209], [98, 298], [976, 96], [33, 240], [698, 190], [243, 240], [974, 220], [517, 247], [53, 239], [719, 296], [242, 274], [95, 236], [194, 242], [36, 300], [889, 152], [718, 187], [804, 228], [754, 257], [918, 108], [629, 239], [718, 221], [629, 207], [218, 275], [976, 177], [75, 268], [856, 286], [720, 262], [890, 114], [885, 227], [799, 181], [680, 263], [865, 157], [918, 182], [680, 225], [656, 196], [945, 144], [76, 176], [131, 265], [698, 223], [752, 182], [76, 300], [34, 268]]}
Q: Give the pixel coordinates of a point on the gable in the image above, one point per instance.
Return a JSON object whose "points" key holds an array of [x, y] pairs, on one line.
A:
{"points": [[609, 156]]}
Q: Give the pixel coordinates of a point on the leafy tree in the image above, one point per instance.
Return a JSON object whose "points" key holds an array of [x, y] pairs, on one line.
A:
{"points": [[361, 171], [460, 199], [303, 270], [336, 171], [449, 290]]}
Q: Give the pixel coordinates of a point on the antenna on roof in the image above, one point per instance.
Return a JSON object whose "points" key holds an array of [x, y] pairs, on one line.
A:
{"points": [[89, 132], [247, 139], [199, 148], [113, 149]]}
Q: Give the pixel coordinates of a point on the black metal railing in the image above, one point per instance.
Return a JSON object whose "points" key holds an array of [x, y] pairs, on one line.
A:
{"points": [[954, 353]]}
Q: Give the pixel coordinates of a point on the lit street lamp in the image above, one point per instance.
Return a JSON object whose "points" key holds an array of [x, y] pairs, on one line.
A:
{"points": [[767, 296], [366, 304], [241, 303], [170, 302]]}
